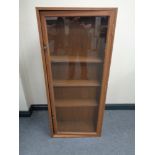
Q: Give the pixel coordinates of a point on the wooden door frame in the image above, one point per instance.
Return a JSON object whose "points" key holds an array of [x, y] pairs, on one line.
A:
{"points": [[58, 11]]}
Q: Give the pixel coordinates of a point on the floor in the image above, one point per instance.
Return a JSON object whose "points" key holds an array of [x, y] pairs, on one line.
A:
{"points": [[118, 137]]}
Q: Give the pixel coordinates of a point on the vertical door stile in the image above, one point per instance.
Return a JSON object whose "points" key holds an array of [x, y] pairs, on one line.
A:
{"points": [[106, 68], [49, 73]]}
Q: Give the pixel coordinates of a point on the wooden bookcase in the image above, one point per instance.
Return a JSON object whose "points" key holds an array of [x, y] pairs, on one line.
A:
{"points": [[76, 45]]}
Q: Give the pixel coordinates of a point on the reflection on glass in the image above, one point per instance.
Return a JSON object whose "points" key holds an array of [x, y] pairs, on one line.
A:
{"points": [[77, 36], [62, 71], [76, 47]]}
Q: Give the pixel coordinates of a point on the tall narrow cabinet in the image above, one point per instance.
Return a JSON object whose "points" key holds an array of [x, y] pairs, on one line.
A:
{"points": [[76, 46]]}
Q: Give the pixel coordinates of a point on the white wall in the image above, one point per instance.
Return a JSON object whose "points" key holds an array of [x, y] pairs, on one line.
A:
{"points": [[121, 82], [22, 101]]}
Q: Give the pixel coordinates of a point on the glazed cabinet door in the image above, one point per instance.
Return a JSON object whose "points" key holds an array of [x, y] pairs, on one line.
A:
{"points": [[77, 48]]}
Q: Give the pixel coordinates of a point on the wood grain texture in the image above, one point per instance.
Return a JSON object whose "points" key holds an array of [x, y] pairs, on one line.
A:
{"points": [[75, 59], [45, 73], [74, 8], [90, 118], [73, 83], [75, 103], [61, 71], [106, 68], [80, 126], [77, 119], [66, 93], [75, 134], [48, 71]]}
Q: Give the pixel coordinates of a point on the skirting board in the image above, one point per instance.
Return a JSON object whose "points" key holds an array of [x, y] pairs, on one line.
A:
{"points": [[39, 107]]}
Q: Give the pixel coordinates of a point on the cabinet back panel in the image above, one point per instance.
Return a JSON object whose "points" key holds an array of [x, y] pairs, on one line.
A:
{"points": [[76, 71], [77, 119], [76, 92]]}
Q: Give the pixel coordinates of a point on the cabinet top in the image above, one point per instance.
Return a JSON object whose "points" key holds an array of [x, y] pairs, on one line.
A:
{"points": [[73, 8]]}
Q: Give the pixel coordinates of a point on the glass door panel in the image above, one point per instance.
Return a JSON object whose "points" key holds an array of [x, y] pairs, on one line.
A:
{"points": [[76, 46]]}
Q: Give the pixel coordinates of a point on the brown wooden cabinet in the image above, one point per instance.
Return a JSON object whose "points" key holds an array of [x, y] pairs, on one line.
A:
{"points": [[76, 48]]}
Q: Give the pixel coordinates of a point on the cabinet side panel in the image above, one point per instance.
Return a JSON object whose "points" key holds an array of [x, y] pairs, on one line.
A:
{"points": [[106, 68], [45, 72]]}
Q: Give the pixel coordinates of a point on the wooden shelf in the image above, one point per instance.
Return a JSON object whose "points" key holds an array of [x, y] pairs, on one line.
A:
{"points": [[56, 59], [72, 83], [75, 103], [76, 126]]}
